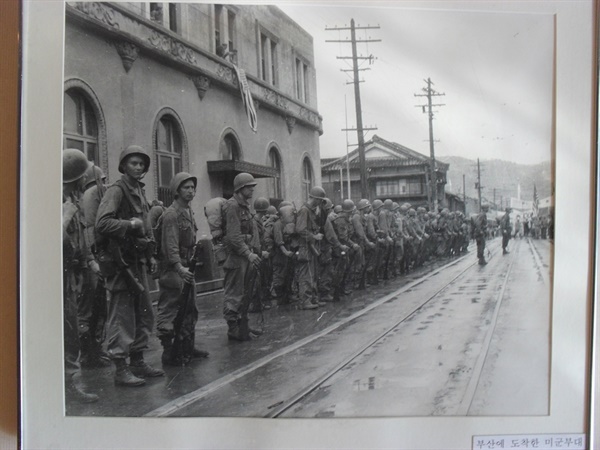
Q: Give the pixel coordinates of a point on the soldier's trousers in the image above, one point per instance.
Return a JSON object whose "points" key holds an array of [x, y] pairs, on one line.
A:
{"points": [[169, 304], [282, 276], [505, 239], [71, 335], [130, 317], [306, 275], [325, 277], [91, 309], [237, 286], [480, 247], [370, 262], [340, 267]]}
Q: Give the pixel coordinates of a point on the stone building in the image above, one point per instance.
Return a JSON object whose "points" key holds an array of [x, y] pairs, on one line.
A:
{"points": [[395, 172], [163, 76]]}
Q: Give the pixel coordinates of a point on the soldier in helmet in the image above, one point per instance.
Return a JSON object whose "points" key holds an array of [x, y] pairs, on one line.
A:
{"points": [[127, 246], [366, 246], [178, 229], [307, 229], [329, 244], [261, 298], [282, 263], [75, 258], [374, 230], [92, 302], [480, 232], [343, 283], [243, 260]]}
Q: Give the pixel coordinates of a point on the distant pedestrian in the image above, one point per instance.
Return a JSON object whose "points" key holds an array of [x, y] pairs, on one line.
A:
{"points": [[480, 233], [506, 229]]}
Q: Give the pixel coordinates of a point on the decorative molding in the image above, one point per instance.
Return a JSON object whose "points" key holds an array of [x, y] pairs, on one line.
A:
{"points": [[290, 121], [97, 11], [277, 99], [202, 85], [128, 53], [171, 46], [226, 74]]}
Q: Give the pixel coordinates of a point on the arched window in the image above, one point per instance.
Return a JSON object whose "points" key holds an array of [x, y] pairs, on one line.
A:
{"points": [[168, 150], [307, 177], [275, 184], [229, 148], [80, 126]]}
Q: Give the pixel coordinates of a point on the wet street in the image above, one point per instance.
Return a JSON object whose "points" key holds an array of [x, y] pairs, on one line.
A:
{"points": [[451, 338]]}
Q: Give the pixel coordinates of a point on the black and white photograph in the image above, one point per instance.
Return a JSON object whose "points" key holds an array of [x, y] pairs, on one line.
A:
{"points": [[316, 211]]}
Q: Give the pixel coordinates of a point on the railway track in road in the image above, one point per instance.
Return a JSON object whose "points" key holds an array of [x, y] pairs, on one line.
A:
{"points": [[276, 409]]}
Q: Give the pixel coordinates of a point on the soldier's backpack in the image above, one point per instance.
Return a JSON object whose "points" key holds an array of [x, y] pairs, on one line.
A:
{"points": [[288, 220]]}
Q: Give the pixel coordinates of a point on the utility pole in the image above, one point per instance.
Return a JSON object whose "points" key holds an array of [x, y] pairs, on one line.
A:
{"points": [[364, 186], [464, 191], [478, 184], [430, 92]]}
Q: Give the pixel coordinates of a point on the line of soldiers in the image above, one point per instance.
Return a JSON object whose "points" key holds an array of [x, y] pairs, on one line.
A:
{"points": [[320, 253], [113, 239]]}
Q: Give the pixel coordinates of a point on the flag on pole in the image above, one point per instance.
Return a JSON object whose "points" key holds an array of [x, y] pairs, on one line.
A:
{"points": [[246, 97], [536, 202]]}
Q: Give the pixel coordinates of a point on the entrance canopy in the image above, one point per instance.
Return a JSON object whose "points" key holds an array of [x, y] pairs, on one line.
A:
{"points": [[235, 167]]}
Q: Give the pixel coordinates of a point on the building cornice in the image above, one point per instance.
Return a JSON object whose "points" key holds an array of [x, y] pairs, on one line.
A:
{"points": [[133, 35]]}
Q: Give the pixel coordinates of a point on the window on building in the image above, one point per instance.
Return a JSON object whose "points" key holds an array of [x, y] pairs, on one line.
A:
{"points": [[301, 80], [80, 126], [268, 59], [230, 30], [229, 149], [168, 156], [173, 17], [307, 177], [275, 162], [218, 14], [415, 187]]}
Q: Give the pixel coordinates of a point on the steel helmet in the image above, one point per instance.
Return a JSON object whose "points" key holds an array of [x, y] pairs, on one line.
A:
{"points": [[485, 206], [134, 150], [92, 175], [348, 205], [363, 203], [328, 204], [179, 179], [412, 212], [404, 208], [377, 204], [242, 180], [388, 204], [284, 203], [337, 209], [261, 204], [395, 206], [75, 164], [271, 210], [317, 192], [421, 210]]}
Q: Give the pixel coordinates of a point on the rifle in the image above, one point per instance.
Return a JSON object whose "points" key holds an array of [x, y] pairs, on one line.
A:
{"points": [[182, 347], [115, 251]]}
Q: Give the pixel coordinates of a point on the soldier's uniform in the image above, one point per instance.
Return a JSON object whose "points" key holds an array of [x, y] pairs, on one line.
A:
{"points": [[371, 256], [240, 274], [177, 249], [92, 310], [480, 233], [506, 230], [329, 244], [75, 260], [130, 315], [306, 260]]}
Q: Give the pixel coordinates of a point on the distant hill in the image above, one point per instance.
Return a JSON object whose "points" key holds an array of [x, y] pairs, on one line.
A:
{"points": [[504, 176]]}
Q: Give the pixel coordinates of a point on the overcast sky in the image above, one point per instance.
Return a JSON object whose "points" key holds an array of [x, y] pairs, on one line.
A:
{"points": [[494, 68]]}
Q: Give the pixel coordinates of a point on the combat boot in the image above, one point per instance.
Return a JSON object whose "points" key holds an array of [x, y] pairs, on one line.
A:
{"points": [[141, 369], [124, 377], [482, 262], [236, 332], [167, 355], [72, 391]]}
